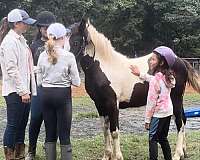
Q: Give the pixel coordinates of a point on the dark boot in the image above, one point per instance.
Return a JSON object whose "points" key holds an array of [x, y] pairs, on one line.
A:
{"points": [[50, 150], [9, 153], [31, 152], [153, 150], [166, 149], [66, 152], [20, 151]]}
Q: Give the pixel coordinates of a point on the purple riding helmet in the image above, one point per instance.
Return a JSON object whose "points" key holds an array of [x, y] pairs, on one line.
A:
{"points": [[168, 53]]}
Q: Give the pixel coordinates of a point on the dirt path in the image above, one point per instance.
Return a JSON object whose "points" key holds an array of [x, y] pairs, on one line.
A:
{"points": [[80, 91]]}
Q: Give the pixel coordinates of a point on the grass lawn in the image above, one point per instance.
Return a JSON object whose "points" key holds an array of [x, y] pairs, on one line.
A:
{"points": [[192, 98], [134, 147]]}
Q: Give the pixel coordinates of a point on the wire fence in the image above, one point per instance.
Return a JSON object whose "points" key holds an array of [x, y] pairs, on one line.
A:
{"points": [[195, 62]]}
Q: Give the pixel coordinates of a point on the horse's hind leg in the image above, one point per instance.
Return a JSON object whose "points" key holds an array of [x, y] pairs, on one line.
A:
{"points": [[184, 134], [181, 139], [179, 151], [184, 145], [107, 138]]}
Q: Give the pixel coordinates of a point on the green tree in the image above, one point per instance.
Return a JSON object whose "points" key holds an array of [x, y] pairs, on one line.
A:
{"points": [[172, 23], [121, 22], [131, 25]]}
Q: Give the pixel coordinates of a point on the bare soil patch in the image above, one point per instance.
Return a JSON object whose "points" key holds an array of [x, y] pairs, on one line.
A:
{"points": [[80, 91]]}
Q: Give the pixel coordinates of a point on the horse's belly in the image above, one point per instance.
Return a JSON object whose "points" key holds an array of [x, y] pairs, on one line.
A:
{"points": [[123, 81], [124, 87], [123, 92], [138, 96]]}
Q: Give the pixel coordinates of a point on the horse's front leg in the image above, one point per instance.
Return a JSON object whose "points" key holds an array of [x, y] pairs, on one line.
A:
{"points": [[114, 128], [107, 138], [117, 154]]}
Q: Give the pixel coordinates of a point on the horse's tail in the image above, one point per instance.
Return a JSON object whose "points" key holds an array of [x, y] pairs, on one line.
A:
{"points": [[193, 76]]}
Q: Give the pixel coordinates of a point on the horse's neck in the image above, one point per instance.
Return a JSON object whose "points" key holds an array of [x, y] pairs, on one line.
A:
{"points": [[103, 47], [111, 58], [106, 54]]}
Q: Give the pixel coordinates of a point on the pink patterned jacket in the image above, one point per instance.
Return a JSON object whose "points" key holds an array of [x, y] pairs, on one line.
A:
{"points": [[159, 103]]}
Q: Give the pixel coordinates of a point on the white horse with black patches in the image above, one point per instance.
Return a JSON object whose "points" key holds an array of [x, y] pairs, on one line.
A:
{"points": [[111, 85]]}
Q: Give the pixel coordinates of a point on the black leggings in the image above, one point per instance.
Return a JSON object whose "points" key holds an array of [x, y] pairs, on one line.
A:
{"points": [[57, 113], [158, 132]]}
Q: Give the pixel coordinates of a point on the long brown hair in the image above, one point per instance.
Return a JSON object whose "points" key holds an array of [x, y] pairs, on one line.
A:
{"points": [[52, 55], [164, 68], [4, 28]]}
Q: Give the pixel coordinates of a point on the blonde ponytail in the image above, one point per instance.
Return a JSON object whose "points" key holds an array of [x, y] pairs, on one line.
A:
{"points": [[52, 55], [4, 28]]}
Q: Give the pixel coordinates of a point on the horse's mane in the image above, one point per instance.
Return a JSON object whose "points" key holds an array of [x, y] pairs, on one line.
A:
{"points": [[103, 47]]}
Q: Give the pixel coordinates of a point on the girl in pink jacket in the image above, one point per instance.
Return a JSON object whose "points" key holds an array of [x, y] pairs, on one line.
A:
{"points": [[159, 108]]}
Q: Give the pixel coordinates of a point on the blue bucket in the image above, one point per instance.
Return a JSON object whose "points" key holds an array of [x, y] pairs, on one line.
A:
{"points": [[192, 112]]}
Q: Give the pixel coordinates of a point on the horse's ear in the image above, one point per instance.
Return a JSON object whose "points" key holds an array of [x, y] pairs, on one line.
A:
{"points": [[88, 21], [82, 25]]}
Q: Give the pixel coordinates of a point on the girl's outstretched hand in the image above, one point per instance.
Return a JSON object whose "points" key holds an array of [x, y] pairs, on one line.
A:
{"points": [[135, 70]]}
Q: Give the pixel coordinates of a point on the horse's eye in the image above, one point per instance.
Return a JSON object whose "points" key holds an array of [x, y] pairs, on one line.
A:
{"points": [[76, 43]]}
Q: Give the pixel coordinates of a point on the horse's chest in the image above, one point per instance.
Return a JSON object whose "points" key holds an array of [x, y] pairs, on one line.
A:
{"points": [[96, 81]]}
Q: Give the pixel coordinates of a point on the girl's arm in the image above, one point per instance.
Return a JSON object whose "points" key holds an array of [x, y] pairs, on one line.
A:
{"points": [[153, 94], [73, 72], [144, 76]]}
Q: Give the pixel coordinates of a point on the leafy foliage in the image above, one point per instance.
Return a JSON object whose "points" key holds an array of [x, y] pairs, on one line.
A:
{"points": [[133, 26]]}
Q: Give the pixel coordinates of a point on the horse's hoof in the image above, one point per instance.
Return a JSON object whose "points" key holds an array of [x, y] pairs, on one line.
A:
{"points": [[185, 153], [175, 158], [106, 158], [181, 157], [118, 157], [107, 155], [121, 158]]}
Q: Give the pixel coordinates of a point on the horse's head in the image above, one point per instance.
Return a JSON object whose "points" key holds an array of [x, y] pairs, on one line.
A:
{"points": [[76, 40], [86, 29], [86, 40], [80, 39]]}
